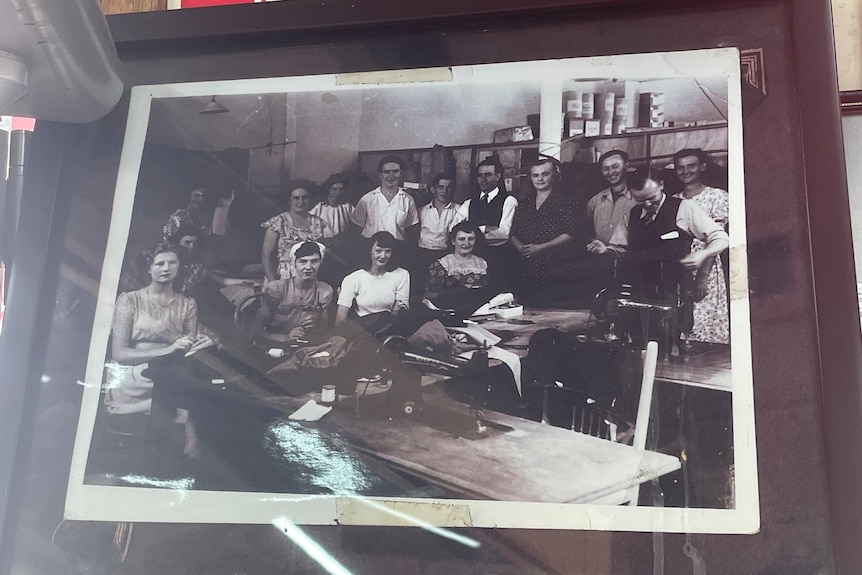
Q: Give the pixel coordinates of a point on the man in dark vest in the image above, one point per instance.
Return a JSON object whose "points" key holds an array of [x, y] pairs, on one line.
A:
{"points": [[659, 264], [492, 209]]}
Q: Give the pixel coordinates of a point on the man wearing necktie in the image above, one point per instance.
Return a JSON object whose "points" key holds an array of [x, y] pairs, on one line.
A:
{"points": [[660, 230], [492, 210], [658, 262]]}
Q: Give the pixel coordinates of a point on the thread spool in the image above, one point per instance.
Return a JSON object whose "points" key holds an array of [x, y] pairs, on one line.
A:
{"points": [[327, 395]]}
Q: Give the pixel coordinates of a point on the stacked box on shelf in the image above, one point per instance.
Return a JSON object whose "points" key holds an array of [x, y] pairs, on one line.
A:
{"points": [[651, 110]]}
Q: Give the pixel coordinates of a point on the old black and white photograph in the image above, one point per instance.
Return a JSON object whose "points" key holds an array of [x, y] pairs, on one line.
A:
{"points": [[500, 295]]}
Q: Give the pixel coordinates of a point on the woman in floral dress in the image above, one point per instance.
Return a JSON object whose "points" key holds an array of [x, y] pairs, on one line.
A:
{"points": [[287, 229], [711, 310]]}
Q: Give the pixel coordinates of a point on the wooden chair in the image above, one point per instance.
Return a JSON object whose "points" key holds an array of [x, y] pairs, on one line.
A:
{"points": [[576, 410], [245, 312]]}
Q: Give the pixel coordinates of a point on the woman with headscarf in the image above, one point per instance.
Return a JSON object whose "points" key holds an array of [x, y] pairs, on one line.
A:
{"points": [[295, 309]]}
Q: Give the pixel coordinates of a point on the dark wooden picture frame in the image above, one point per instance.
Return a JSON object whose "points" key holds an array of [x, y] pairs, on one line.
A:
{"points": [[825, 290]]}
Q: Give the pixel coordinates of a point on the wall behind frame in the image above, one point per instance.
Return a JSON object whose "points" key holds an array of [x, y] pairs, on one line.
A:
{"points": [[789, 431]]}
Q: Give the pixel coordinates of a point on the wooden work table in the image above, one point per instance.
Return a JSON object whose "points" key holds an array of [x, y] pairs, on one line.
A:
{"points": [[708, 369], [517, 459], [528, 462]]}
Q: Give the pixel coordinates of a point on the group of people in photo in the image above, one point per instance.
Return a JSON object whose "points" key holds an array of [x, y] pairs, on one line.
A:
{"points": [[414, 269]]}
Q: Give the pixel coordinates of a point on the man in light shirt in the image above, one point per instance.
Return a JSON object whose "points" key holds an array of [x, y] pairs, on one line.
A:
{"points": [[608, 211], [435, 219], [607, 216], [492, 209], [387, 208]]}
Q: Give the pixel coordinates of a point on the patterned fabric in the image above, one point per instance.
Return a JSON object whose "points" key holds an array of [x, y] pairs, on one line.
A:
{"points": [[289, 235], [451, 271], [145, 324], [711, 315], [185, 219], [190, 275], [337, 217], [374, 294], [555, 217], [297, 307]]}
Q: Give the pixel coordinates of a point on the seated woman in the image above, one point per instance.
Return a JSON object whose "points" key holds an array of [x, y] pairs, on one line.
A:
{"points": [[151, 322], [379, 298], [459, 281], [287, 229], [376, 288], [542, 228], [295, 309]]}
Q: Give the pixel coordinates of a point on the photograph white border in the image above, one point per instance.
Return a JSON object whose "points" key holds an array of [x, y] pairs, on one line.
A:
{"points": [[112, 503]]}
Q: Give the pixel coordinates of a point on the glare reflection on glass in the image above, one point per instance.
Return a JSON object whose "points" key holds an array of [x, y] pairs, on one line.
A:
{"points": [[181, 484], [310, 547], [330, 466], [441, 531]]}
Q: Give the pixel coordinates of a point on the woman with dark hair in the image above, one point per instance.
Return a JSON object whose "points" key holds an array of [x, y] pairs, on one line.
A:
{"points": [[151, 322], [375, 288], [192, 270], [378, 296], [294, 309], [459, 280], [289, 228], [191, 217], [544, 225], [334, 209]]}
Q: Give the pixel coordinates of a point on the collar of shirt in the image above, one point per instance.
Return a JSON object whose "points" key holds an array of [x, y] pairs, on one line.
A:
{"points": [[608, 194], [448, 206], [490, 195], [379, 190]]}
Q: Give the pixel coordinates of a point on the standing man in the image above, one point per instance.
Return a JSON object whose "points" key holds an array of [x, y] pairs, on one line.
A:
{"points": [[608, 211], [659, 262], [387, 208], [435, 219], [607, 216], [492, 209]]}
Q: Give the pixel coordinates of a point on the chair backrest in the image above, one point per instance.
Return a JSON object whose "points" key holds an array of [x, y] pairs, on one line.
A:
{"points": [[245, 312], [576, 410], [650, 356]]}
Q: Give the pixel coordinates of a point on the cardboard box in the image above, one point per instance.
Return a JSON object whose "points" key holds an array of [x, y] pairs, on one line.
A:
{"points": [[588, 106], [515, 134], [651, 110], [592, 128]]}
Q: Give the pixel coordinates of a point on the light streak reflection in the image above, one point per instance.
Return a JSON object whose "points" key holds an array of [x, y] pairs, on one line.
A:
{"points": [[441, 531], [310, 547]]}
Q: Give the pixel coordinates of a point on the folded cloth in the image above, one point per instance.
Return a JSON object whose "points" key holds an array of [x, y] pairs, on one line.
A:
{"points": [[478, 335], [321, 356]]}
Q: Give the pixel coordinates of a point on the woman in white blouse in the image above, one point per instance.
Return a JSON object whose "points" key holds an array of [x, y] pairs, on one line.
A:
{"points": [[375, 288]]}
